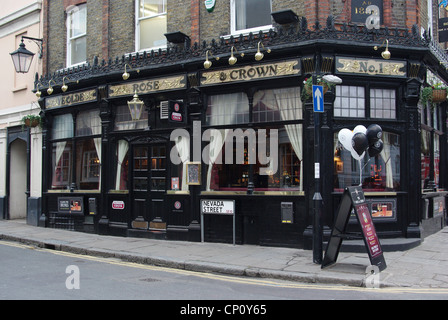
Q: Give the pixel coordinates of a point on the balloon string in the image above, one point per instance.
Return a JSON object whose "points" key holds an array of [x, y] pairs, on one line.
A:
{"points": [[360, 173]]}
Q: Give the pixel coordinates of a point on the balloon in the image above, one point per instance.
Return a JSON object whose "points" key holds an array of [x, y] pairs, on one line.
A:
{"points": [[359, 128], [357, 156], [374, 133], [360, 143], [376, 148], [345, 138]]}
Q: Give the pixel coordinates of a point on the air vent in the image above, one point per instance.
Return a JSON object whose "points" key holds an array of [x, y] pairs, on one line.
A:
{"points": [[163, 109]]}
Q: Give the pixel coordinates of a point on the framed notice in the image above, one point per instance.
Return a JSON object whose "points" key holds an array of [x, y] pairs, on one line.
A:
{"points": [[194, 173], [71, 205]]}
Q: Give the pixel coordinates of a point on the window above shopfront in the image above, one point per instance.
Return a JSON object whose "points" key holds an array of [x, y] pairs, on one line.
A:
{"points": [[250, 16], [151, 24], [76, 35]]}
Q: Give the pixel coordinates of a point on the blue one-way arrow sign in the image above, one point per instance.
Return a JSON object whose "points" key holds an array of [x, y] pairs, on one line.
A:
{"points": [[318, 98]]}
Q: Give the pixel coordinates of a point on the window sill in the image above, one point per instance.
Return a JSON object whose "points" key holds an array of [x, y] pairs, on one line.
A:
{"points": [[246, 32]]}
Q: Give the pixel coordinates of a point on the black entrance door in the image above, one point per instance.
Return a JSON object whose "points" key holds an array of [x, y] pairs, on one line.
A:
{"points": [[148, 187]]}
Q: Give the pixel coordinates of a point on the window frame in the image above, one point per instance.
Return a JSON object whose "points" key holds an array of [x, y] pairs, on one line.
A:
{"points": [[369, 111], [234, 31], [70, 135], [291, 117], [69, 22], [138, 20]]}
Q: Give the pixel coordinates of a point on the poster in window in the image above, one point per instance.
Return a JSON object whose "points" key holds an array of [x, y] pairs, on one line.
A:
{"points": [[175, 183], [383, 208], [194, 173], [70, 205]]}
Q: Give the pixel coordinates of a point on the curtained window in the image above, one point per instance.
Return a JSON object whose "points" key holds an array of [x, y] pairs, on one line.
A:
{"points": [[229, 156], [62, 152], [76, 151]]}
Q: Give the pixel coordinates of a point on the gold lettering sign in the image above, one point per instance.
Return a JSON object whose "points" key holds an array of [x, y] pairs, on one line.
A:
{"points": [[148, 86], [371, 67], [71, 99], [255, 72]]}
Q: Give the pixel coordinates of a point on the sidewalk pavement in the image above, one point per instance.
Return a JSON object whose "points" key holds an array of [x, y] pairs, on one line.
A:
{"points": [[425, 266]]}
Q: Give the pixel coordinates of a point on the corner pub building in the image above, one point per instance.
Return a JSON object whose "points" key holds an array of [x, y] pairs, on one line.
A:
{"points": [[109, 170]]}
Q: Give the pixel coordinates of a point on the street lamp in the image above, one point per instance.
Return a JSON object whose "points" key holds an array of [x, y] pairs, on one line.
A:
{"points": [[22, 57]]}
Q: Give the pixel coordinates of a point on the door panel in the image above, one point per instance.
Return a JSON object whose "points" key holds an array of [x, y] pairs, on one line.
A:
{"points": [[149, 186]]}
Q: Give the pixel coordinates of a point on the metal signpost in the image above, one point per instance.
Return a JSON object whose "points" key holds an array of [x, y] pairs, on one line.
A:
{"points": [[318, 106]]}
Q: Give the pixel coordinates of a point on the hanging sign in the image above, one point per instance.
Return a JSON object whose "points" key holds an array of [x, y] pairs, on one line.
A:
{"points": [[353, 198], [210, 5]]}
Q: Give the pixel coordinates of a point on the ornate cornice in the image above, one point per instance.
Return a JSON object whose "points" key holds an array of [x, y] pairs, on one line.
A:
{"points": [[298, 35]]}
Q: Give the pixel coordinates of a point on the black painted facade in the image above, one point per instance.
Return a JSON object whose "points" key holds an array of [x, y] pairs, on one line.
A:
{"points": [[152, 209]]}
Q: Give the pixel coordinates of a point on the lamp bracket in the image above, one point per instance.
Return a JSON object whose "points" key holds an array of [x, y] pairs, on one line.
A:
{"points": [[37, 41]]}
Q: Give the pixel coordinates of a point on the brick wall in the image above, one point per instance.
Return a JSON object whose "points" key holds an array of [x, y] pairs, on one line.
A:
{"points": [[111, 23]]}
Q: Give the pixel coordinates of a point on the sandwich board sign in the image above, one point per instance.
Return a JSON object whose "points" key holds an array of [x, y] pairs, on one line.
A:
{"points": [[353, 198]]}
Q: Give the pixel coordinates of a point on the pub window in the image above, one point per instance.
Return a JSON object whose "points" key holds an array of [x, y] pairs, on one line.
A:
{"points": [[349, 102], [227, 109], [61, 164], [122, 165], [62, 152], [268, 106], [250, 15], [76, 152], [382, 103], [279, 174], [378, 173], [88, 150], [278, 104], [425, 158], [436, 159], [151, 24], [123, 119], [430, 146], [76, 34]]}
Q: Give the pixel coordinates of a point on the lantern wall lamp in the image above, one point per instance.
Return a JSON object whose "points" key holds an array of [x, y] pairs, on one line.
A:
{"points": [[22, 57], [136, 107]]}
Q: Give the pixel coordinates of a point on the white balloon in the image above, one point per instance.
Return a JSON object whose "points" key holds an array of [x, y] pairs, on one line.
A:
{"points": [[359, 128], [345, 138]]}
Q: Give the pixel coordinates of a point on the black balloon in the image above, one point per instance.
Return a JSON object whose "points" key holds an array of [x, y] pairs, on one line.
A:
{"points": [[376, 148], [360, 143], [374, 133]]}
